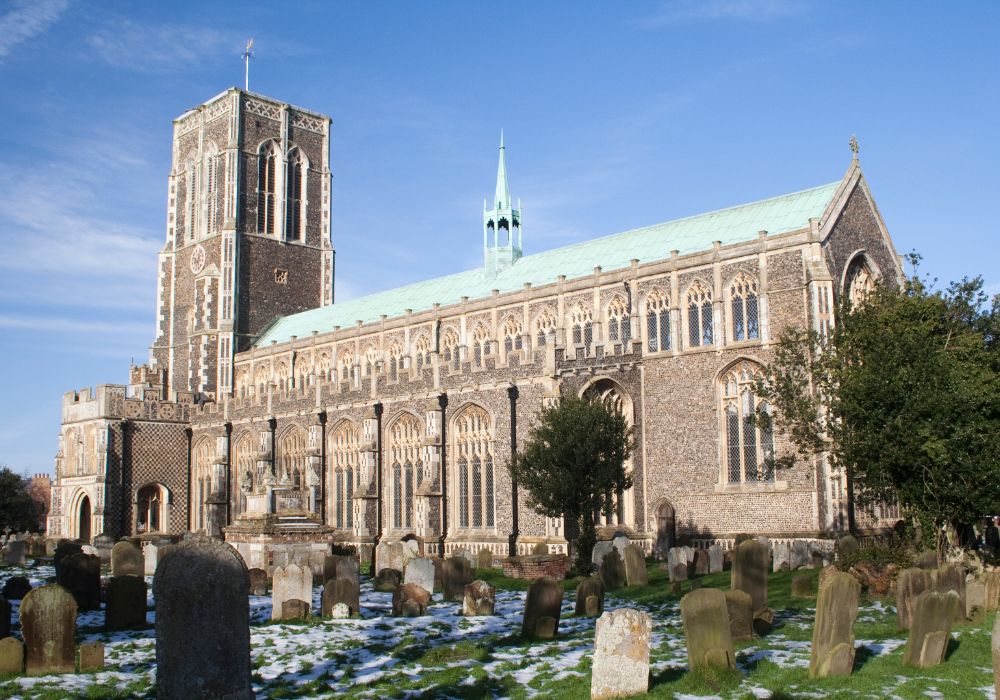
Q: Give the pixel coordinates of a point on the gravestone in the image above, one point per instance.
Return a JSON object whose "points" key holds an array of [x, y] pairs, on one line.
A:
{"points": [[991, 577], [389, 555], [420, 572], [126, 608], [11, 656], [677, 564], [438, 573], [48, 625], [975, 599], [126, 560], [294, 609], [781, 556], [590, 597], [951, 577], [600, 551], [410, 600], [613, 571], [927, 560], [539, 549], [63, 549], [833, 632], [930, 628], [149, 555], [5, 610], [258, 581], [847, 546], [289, 583], [750, 559], [15, 555], [825, 573], [484, 559], [480, 599], [202, 592], [466, 554], [341, 566], [16, 587], [340, 590], [620, 542], [739, 606], [104, 543], [800, 557], [763, 621], [802, 586], [340, 611], [80, 574], [89, 549], [716, 559], [388, 580], [621, 654], [91, 657], [700, 562], [456, 574], [544, 600], [635, 566], [706, 629]]}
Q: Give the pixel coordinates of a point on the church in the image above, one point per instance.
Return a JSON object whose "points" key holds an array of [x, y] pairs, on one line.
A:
{"points": [[270, 413]]}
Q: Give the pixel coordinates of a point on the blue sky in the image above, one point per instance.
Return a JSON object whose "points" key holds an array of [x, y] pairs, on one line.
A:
{"points": [[616, 115]]}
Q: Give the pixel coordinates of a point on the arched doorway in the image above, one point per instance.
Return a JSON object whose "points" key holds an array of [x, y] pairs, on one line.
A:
{"points": [[83, 520], [664, 528]]}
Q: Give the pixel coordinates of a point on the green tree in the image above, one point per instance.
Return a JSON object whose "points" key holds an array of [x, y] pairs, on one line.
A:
{"points": [[17, 510], [904, 395], [572, 464]]}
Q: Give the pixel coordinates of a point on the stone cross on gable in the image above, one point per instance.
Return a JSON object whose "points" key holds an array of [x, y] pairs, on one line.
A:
{"points": [[854, 145]]}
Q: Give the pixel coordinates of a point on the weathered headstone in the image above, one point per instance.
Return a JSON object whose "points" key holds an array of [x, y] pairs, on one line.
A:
{"points": [[706, 629], [258, 581], [716, 559], [613, 571], [975, 599], [104, 543], [847, 546], [540, 548], [388, 580], [635, 566], [341, 590], [5, 610], [80, 574], [739, 606], [389, 555], [202, 623], [465, 554], [341, 566], [340, 611], [677, 564], [802, 586], [480, 599], [621, 654], [833, 632], [410, 600], [126, 560], [590, 597], [544, 599], [750, 559], [16, 551], [782, 553], [11, 656], [930, 628], [16, 587], [991, 577], [825, 573], [290, 583], [800, 556], [149, 555], [294, 609], [91, 657], [63, 549], [484, 559], [420, 572], [48, 625], [456, 574], [600, 551], [700, 562], [126, 608], [951, 577], [620, 542]]}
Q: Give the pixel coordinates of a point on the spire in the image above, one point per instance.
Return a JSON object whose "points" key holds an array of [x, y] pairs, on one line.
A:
{"points": [[502, 200]]}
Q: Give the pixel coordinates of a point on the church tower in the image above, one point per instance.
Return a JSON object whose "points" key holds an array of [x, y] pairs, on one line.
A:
{"points": [[248, 234], [501, 224]]}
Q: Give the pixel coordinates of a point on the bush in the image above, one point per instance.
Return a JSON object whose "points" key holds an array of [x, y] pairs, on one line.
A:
{"points": [[881, 555]]}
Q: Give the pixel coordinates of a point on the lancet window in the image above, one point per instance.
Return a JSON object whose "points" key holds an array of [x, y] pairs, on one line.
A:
{"points": [[404, 458], [480, 344], [699, 315], [422, 351], [582, 321], [267, 169], [473, 448], [749, 441], [512, 335], [545, 325], [619, 330], [745, 308], [395, 361], [450, 349], [201, 482], [657, 321], [293, 458], [294, 195], [343, 451]]}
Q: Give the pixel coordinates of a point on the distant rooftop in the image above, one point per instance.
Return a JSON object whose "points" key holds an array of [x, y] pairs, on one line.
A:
{"points": [[692, 234]]}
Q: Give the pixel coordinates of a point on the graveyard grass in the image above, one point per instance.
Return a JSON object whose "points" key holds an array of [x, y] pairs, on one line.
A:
{"points": [[445, 655]]}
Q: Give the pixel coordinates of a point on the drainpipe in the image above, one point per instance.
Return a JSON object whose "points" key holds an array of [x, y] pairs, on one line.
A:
{"points": [[378, 481], [443, 403], [229, 472], [187, 525], [514, 533], [322, 467]]}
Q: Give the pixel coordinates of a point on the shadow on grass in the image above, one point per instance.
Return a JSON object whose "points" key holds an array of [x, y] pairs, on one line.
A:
{"points": [[953, 645]]}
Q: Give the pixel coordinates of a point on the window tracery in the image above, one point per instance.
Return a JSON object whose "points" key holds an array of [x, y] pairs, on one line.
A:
{"points": [[344, 463], [545, 325], [860, 280], [405, 450], [267, 167], [699, 308], [293, 458], [294, 195], [513, 338], [745, 308], [657, 321], [749, 453], [422, 351], [480, 344], [395, 361], [450, 349], [619, 329], [201, 482], [473, 435], [582, 322]]}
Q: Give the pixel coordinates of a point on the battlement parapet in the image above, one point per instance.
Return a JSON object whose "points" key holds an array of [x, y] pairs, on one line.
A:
{"points": [[112, 401]]}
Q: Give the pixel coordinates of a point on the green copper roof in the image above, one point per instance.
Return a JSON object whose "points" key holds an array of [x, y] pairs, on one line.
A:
{"points": [[689, 235]]}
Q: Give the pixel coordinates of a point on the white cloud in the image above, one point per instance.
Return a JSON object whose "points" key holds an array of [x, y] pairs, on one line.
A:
{"points": [[26, 19], [683, 11], [142, 47], [69, 325]]}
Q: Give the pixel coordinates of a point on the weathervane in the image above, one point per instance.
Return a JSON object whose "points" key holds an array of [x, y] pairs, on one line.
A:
{"points": [[854, 146], [247, 55]]}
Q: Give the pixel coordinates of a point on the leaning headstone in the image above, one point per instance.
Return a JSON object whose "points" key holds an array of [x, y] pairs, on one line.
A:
{"points": [[16, 587], [420, 572], [833, 632], [739, 606], [825, 573], [456, 574], [782, 554], [951, 577], [91, 657], [716, 559], [613, 571], [635, 566], [930, 628], [484, 559], [5, 609], [600, 551], [621, 654], [149, 555], [126, 608], [847, 546], [340, 590], [700, 562], [80, 574], [202, 623], [48, 625], [480, 599], [258, 581], [388, 580], [16, 551], [290, 583], [677, 564], [750, 561], [11, 656], [802, 586], [800, 556], [590, 597], [706, 629], [126, 560], [544, 600], [410, 600]]}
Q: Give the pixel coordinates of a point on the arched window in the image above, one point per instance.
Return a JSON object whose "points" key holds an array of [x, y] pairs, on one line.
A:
{"points": [[191, 198], [323, 366], [213, 203], [450, 349], [473, 450], [201, 482], [346, 363], [512, 335], [395, 361], [859, 281], [260, 380], [745, 310], [545, 325], [267, 177], [371, 360], [244, 387], [422, 351], [480, 344], [245, 474], [619, 330], [293, 458], [405, 449], [344, 464], [619, 507], [657, 321], [294, 195], [699, 315], [150, 509], [283, 377], [749, 453], [581, 319]]}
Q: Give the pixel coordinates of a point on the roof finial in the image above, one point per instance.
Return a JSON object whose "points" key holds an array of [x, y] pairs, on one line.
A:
{"points": [[854, 146], [501, 137]]}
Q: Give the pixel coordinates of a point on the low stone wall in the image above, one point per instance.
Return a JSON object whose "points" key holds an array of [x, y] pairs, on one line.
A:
{"points": [[536, 566]]}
